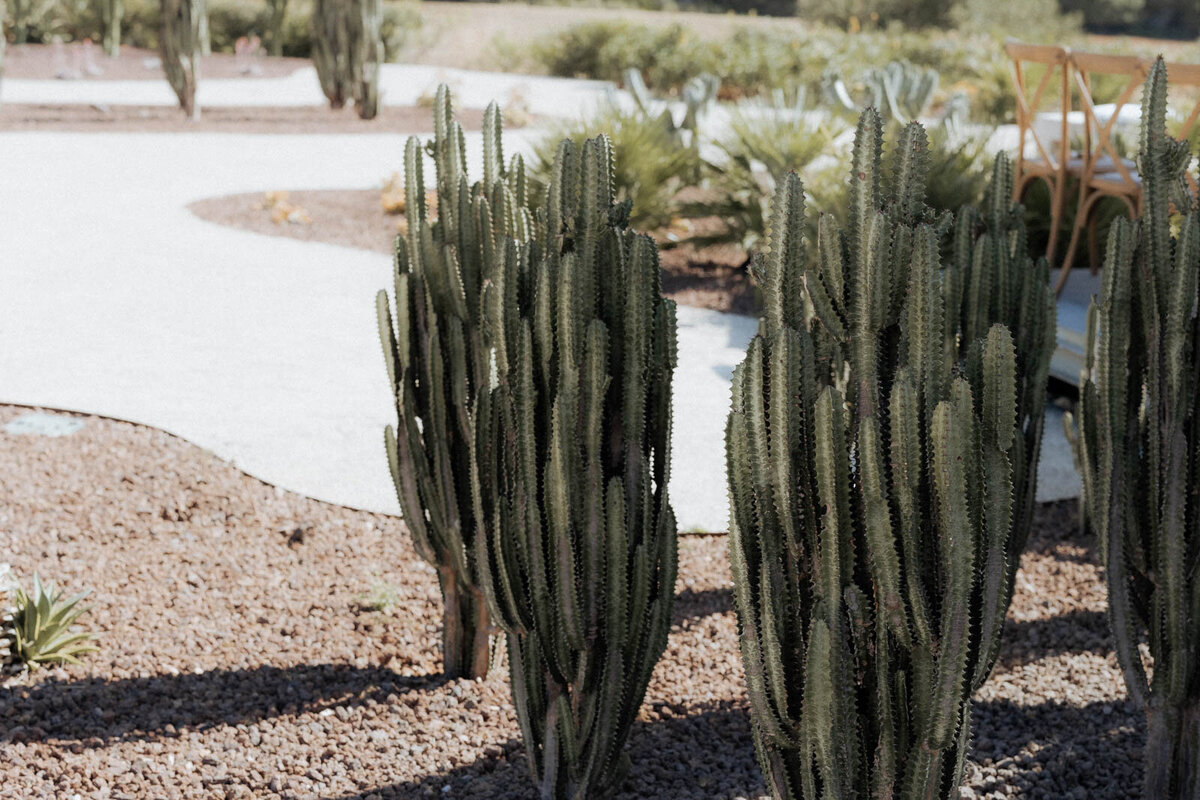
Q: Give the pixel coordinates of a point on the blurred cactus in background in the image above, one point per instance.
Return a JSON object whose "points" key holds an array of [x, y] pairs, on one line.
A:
{"points": [[180, 50], [275, 34], [1139, 448], [578, 550], [437, 362], [111, 12], [347, 50], [875, 445]]}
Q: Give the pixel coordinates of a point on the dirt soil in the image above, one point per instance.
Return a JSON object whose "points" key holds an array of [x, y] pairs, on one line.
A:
{"points": [[45, 61], [168, 119], [712, 278], [258, 644]]}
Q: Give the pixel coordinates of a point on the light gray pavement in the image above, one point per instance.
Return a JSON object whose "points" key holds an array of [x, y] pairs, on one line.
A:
{"points": [[400, 85]]}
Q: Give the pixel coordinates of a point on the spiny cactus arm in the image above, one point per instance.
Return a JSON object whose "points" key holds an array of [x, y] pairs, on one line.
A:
{"points": [[922, 337], [780, 270], [493, 147], [999, 412], [818, 721], [882, 558], [832, 462], [415, 210], [1156, 178], [953, 434], [559, 516], [864, 190], [910, 174], [907, 468]]}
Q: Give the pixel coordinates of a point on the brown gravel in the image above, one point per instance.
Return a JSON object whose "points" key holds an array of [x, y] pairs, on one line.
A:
{"points": [[38, 61], [168, 119], [712, 278], [239, 658]]}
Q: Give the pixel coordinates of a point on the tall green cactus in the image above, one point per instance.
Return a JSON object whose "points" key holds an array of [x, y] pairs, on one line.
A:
{"points": [[347, 49], [578, 553], [180, 49], [111, 14], [437, 363], [1140, 449], [873, 461], [275, 21]]}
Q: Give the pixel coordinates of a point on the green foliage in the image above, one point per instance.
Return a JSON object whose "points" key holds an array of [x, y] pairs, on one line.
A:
{"points": [[652, 161], [39, 628], [1139, 447], [880, 460], [437, 364], [899, 90], [180, 49], [573, 447], [346, 50]]}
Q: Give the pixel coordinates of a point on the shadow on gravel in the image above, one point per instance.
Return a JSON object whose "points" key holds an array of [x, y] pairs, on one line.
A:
{"points": [[691, 604], [1051, 748], [708, 754], [97, 712], [1074, 632]]}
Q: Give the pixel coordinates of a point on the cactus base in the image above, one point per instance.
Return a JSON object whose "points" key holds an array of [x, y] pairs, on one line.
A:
{"points": [[1173, 752], [466, 628]]}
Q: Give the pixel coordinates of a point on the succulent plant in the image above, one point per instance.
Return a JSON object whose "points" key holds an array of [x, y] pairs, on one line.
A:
{"points": [[38, 628], [347, 50], [577, 550], [901, 91], [873, 460], [1139, 448], [180, 50], [437, 362]]}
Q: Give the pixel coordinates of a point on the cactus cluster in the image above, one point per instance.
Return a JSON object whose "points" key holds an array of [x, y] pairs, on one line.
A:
{"points": [[1139, 448], [873, 462], [347, 49], [578, 553], [437, 361], [180, 49]]}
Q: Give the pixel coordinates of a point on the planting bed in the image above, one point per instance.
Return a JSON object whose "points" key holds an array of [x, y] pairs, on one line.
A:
{"points": [[711, 278], [242, 655], [41, 62]]}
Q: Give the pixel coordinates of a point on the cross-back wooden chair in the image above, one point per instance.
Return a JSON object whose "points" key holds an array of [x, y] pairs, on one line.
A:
{"points": [[1051, 160], [1106, 172], [1186, 76]]}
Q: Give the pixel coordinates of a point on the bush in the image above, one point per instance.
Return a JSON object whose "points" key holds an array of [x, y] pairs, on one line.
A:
{"points": [[652, 160], [228, 21]]}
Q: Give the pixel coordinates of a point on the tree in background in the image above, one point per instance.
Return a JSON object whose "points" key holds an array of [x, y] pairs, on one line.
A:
{"points": [[180, 49], [347, 50], [111, 12]]}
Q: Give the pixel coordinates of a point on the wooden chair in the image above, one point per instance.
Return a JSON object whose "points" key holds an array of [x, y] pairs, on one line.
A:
{"points": [[1106, 172], [1052, 161]]}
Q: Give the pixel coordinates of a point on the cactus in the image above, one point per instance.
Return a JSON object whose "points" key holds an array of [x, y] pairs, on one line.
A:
{"points": [[3, 43], [874, 448], [437, 364], [1139, 448], [111, 13], [180, 48], [347, 50], [578, 549]]}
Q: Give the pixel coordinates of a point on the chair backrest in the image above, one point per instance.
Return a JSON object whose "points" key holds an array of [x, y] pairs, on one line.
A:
{"points": [[1186, 75], [1054, 85], [1099, 145]]}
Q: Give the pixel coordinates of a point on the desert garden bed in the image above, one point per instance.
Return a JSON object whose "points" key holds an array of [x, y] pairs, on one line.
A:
{"points": [[255, 643]]}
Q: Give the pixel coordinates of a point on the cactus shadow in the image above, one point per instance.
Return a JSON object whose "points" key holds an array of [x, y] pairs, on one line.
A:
{"points": [[692, 604], [100, 712], [1079, 631], [709, 753], [1051, 745]]}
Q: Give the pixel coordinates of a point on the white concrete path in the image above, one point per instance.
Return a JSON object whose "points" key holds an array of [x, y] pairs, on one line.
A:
{"points": [[400, 85], [114, 299]]}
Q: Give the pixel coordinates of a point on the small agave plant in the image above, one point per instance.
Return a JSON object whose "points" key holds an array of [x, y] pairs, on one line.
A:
{"points": [[38, 628]]}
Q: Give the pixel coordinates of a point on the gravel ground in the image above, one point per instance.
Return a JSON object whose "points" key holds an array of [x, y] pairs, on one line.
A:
{"points": [[711, 278], [243, 654]]}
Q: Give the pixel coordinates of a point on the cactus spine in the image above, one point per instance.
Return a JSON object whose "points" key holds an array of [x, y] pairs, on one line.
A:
{"points": [[1140, 449], [437, 364], [872, 461], [180, 50], [347, 49], [111, 12], [578, 551]]}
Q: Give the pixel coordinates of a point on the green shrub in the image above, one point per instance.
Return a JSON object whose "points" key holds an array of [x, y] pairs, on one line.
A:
{"points": [[652, 162]]}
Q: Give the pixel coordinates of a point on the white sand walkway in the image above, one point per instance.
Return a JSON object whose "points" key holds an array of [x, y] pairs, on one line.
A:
{"points": [[400, 85]]}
